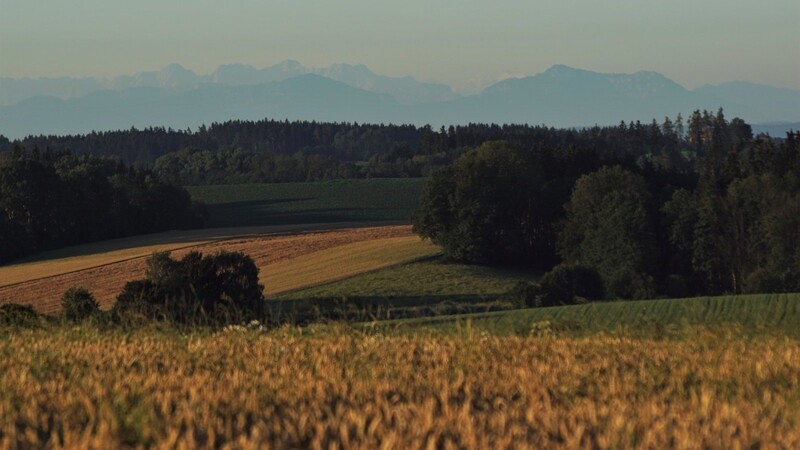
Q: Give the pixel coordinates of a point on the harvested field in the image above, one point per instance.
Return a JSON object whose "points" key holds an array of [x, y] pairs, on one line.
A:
{"points": [[344, 261], [106, 280], [85, 256], [28, 271]]}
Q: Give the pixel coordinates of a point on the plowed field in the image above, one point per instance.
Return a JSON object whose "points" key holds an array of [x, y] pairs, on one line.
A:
{"points": [[341, 253]]}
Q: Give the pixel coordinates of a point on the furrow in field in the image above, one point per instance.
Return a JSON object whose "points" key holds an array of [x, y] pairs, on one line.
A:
{"points": [[344, 261], [106, 280]]}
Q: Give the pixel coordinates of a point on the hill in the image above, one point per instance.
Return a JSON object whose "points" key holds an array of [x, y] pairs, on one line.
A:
{"points": [[377, 199], [287, 261], [753, 314]]}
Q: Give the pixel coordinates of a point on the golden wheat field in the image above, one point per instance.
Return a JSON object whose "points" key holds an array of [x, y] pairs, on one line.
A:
{"points": [[342, 389], [286, 262]]}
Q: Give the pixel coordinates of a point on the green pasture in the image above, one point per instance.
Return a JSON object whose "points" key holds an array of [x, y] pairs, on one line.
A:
{"points": [[431, 278], [430, 287], [751, 314], [374, 199], [454, 295]]}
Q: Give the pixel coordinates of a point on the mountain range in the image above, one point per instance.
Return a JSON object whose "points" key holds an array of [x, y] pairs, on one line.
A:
{"points": [[561, 96]]}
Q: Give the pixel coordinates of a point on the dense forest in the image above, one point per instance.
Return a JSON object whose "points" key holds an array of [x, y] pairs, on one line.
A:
{"points": [[279, 151], [715, 210], [53, 199]]}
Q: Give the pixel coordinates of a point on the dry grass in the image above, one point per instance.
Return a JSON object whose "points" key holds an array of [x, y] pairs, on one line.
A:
{"points": [[79, 388], [344, 261], [108, 272]]}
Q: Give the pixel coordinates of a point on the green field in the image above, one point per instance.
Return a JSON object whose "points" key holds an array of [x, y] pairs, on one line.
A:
{"points": [[422, 288], [752, 314], [432, 278], [435, 287], [375, 199]]}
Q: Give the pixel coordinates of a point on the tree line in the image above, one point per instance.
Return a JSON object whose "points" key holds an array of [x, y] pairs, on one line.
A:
{"points": [[715, 210], [52, 199], [280, 151]]}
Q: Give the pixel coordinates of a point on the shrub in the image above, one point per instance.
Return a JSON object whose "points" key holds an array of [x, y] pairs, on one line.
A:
{"points": [[15, 315], [79, 304], [564, 285], [217, 289], [138, 300]]}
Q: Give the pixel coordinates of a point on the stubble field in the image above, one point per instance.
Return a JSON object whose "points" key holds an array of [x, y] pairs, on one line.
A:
{"points": [[287, 262]]}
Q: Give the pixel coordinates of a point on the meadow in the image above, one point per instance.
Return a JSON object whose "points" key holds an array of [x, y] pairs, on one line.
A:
{"points": [[753, 315], [338, 387], [360, 200]]}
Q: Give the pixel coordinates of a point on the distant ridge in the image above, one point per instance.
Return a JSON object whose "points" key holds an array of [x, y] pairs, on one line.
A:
{"points": [[561, 96], [174, 76]]}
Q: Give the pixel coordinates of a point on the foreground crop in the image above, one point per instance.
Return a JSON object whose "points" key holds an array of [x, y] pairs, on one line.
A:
{"points": [[86, 388]]}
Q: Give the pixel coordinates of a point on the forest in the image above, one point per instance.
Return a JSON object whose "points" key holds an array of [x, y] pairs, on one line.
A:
{"points": [[280, 151], [715, 211], [51, 199], [682, 207]]}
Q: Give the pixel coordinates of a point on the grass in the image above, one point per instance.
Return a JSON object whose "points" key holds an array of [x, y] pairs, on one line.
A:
{"points": [[376, 199], [429, 278], [333, 387], [754, 314], [421, 288], [343, 261]]}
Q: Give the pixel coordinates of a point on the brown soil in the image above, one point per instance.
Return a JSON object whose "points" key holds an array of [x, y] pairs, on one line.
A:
{"points": [[106, 281]]}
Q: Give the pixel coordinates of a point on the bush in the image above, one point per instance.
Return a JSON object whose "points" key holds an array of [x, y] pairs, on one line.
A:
{"points": [[138, 300], [216, 289], [564, 285], [14, 315], [79, 304]]}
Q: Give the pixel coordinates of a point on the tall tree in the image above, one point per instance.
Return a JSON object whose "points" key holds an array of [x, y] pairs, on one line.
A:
{"points": [[489, 207], [608, 227]]}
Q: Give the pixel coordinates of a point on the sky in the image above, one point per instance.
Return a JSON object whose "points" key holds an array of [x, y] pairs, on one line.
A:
{"points": [[463, 43]]}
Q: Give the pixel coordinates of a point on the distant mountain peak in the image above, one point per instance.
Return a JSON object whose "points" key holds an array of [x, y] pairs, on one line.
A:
{"points": [[562, 70], [175, 74], [174, 67], [290, 65]]}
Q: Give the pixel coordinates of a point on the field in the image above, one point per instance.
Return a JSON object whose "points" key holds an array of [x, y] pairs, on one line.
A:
{"points": [[344, 261], [432, 278], [751, 314], [355, 250], [718, 372], [332, 387], [375, 199]]}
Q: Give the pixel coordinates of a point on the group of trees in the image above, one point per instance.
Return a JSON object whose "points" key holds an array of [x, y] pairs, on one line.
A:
{"points": [[715, 210], [280, 151], [212, 289], [52, 199], [216, 289]]}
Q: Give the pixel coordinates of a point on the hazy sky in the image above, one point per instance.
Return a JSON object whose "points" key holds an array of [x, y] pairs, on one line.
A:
{"points": [[456, 42]]}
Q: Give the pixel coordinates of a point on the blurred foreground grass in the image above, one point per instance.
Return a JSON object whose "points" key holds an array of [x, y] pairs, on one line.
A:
{"points": [[334, 386]]}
